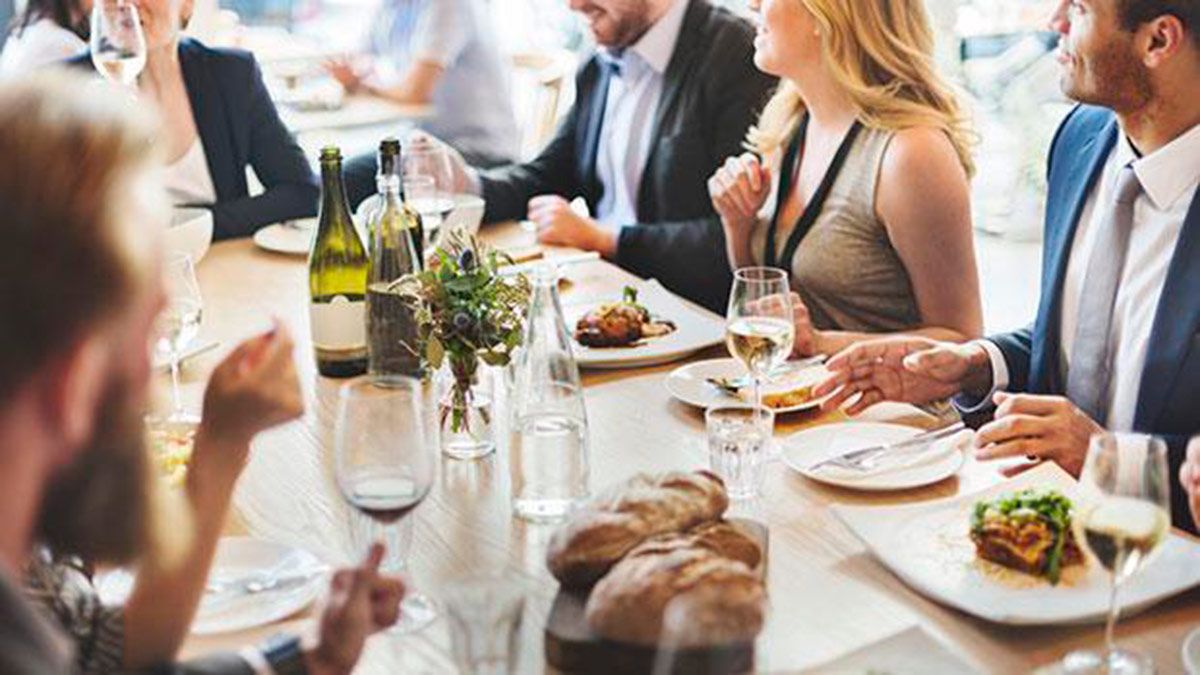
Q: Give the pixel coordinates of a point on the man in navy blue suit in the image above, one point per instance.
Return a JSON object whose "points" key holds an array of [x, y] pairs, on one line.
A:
{"points": [[1115, 342]]}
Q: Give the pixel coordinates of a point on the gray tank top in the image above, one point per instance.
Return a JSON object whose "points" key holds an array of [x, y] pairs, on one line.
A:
{"points": [[845, 268]]}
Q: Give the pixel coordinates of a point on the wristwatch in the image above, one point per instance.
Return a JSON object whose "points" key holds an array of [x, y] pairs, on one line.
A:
{"points": [[284, 655]]}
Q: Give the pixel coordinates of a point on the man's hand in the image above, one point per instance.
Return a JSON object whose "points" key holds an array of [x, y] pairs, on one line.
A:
{"points": [[361, 602], [907, 369], [559, 225], [1189, 478], [251, 390], [1038, 427]]}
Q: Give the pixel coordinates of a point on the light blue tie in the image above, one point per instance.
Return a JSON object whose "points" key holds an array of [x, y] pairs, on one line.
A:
{"points": [[1089, 372]]}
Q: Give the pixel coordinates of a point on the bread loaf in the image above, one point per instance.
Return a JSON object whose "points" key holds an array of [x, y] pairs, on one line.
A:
{"points": [[616, 521], [706, 577]]}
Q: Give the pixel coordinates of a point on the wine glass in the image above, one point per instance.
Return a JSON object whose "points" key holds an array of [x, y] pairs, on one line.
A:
{"points": [[434, 203], [758, 326], [178, 324], [117, 43], [384, 466], [1122, 516]]}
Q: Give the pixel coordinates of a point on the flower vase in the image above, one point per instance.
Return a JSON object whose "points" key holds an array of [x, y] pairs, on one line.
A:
{"points": [[466, 414]]}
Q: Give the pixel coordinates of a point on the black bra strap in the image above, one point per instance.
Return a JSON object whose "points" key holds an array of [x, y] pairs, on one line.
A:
{"points": [[813, 209]]}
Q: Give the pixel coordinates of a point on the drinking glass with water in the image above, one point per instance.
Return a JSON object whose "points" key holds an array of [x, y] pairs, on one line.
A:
{"points": [[738, 440]]}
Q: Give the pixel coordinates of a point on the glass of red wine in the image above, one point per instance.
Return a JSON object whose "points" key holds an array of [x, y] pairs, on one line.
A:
{"points": [[384, 464]]}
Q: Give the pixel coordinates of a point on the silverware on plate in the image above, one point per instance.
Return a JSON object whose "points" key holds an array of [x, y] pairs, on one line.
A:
{"points": [[866, 459], [733, 385]]}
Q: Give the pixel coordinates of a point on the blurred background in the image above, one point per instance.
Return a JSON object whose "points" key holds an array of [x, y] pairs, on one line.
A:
{"points": [[997, 50]]}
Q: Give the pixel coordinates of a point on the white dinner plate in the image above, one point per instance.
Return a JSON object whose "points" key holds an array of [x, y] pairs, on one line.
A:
{"points": [[940, 461], [291, 238], [1190, 653], [695, 329], [690, 383], [191, 232], [927, 546], [239, 558]]}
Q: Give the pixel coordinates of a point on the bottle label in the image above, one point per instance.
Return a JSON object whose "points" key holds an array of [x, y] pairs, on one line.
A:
{"points": [[338, 325]]}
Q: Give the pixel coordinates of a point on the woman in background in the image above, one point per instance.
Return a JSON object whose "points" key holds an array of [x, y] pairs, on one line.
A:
{"points": [[218, 119], [47, 32], [444, 54], [862, 193]]}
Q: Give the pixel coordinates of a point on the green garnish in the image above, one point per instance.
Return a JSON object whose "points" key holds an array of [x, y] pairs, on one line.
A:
{"points": [[1048, 505]]}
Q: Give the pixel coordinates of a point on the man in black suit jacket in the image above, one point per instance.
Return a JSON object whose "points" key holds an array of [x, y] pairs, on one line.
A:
{"points": [[697, 113]]}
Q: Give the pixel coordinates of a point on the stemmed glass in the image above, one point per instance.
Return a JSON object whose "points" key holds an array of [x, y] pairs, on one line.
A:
{"points": [[758, 326], [178, 325], [117, 43], [434, 203], [1122, 516], [384, 465]]}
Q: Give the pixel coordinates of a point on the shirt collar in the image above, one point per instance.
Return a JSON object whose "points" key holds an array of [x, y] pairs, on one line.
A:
{"points": [[1167, 173], [657, 44]]}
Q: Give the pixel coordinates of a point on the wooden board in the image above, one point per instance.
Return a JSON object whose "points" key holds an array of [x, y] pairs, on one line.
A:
{"points": [[572, 647]]}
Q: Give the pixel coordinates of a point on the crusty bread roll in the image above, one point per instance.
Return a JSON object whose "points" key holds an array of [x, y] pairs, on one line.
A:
{"points": [[618, 520], [706, 577]]}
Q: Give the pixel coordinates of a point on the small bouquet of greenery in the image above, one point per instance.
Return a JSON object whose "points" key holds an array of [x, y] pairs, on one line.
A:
{"points": [[466, 312]]}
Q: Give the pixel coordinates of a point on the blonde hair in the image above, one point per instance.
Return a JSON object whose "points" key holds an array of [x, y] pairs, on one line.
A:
{"points": [[881, 54]]}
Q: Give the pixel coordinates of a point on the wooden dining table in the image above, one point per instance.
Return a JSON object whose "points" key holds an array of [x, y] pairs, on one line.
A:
{"points": [[828, 596]]}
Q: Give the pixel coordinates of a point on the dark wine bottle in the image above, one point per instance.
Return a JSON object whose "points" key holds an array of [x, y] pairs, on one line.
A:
{"points": [[337, 279]]}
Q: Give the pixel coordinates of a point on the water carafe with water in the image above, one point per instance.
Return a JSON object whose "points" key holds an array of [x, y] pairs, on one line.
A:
{"points": [[549, 433]]}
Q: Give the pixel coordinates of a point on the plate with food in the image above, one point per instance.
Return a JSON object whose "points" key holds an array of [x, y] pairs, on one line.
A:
{"points": [[705, 384], [1008, 554], [901, 469], [645, 325]]}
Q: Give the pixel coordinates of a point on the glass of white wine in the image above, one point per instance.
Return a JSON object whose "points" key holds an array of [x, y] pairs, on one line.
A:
{"points": [[758, 326], [1122, 519], [117, 43], [178, 325]]}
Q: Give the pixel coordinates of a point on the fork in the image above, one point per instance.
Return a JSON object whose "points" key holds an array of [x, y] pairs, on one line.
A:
{"points": [[868, 458]]}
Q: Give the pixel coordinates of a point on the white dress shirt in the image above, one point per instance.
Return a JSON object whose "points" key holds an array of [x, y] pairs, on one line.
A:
{"points": [[1169, 178], [633, 98], [188, 179]]}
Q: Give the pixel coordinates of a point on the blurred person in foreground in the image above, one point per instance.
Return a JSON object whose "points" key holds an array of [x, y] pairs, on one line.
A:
{"points": [[1114, 345], [80, 188], [862, 194], [444, 54], [219, 120], [46, 32], [668, 95]]}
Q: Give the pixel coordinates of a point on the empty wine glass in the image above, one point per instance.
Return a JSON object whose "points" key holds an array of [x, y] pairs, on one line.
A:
{"points": [[178, 325], [1121, 519], [118, 45], [384, 465], [435, 202], [758, 326]]}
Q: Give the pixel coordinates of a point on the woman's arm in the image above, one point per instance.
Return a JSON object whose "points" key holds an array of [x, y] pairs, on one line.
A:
{"points": [[290, 187], [738, 189], [253, 389]]}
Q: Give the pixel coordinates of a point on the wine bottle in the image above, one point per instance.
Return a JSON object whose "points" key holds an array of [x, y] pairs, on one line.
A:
{"points": [[387, 163], [391, 327], [337, 279]]}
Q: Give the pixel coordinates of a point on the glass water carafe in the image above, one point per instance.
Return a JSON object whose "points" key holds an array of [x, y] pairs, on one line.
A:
{"points": [[549, 434]]}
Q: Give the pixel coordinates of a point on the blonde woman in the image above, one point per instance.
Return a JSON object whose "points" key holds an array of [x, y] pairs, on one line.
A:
{"points": [[862, 192]]}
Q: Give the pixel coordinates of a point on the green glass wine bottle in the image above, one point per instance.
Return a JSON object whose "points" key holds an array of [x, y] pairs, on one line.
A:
{"points": [[337, 279]]}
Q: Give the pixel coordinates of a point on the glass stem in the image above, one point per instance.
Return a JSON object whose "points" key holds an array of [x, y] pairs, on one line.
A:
{"points": [[176, 403], [757, 393], [1114, 611]]}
